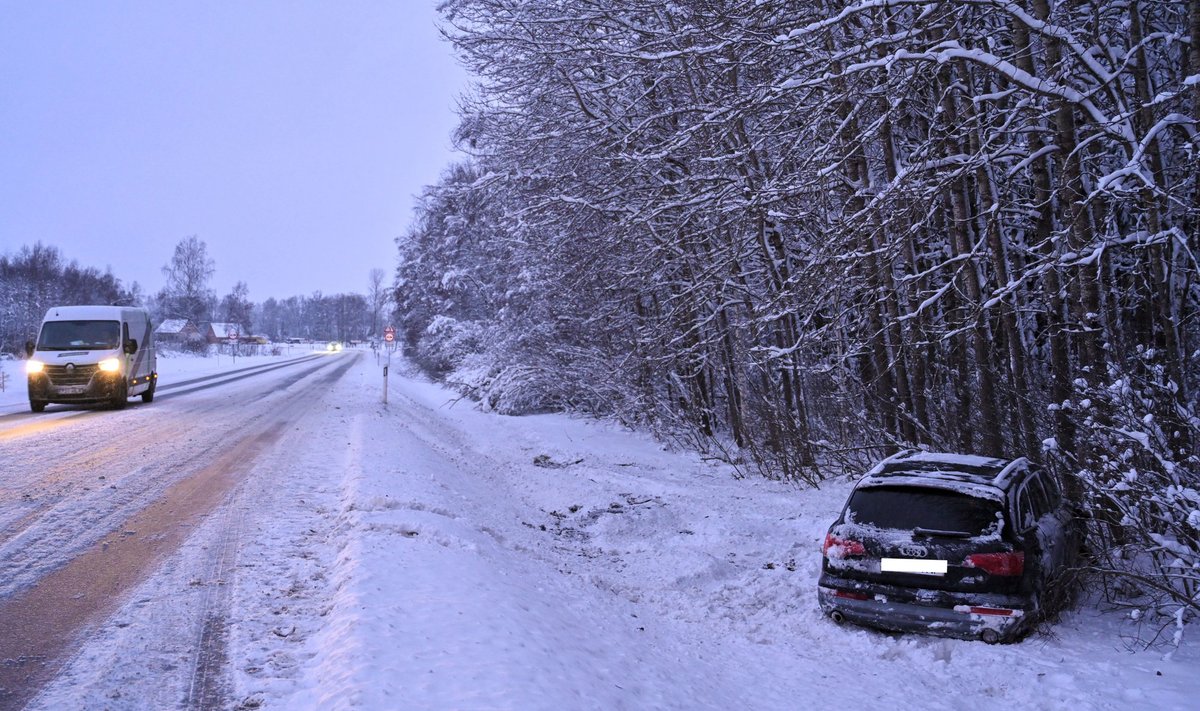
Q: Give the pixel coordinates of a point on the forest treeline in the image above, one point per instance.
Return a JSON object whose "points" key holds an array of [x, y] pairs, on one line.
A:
{"points": [[187, 295], [37, 277], [808, 233]]}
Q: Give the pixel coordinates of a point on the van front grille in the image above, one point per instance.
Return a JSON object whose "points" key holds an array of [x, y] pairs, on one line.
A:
{"points": [[61, 375]]}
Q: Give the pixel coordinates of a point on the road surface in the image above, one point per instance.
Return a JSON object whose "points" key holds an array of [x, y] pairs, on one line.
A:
{"points": [[94, 501]]}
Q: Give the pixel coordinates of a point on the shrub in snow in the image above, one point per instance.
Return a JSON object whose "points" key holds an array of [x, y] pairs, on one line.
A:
{"points": [[1140, 471], [517, 383], [447, 342], [508, 390]]}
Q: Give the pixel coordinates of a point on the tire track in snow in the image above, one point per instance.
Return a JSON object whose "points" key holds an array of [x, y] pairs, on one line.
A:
{"points": [[41, 621], [206, 689], [208, 686]]}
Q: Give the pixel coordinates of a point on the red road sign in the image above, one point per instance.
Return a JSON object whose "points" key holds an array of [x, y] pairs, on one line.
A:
{"points": [[389, 334]]}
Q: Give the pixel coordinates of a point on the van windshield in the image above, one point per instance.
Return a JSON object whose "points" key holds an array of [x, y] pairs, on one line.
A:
{"points": [[79, 335]]}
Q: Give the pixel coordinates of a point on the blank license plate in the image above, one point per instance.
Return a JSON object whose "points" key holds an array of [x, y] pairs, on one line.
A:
{"points": [[913, 565], [71, 389]]}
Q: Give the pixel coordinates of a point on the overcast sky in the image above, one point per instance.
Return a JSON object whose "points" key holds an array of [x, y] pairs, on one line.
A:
{"points": [[290, 136]]}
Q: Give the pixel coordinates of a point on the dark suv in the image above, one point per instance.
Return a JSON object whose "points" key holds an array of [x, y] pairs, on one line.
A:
{"points": [[949, 544]]}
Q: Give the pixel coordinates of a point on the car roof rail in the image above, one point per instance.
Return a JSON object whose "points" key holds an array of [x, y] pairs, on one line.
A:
{"points": [[878, 468], [1009, 472]]}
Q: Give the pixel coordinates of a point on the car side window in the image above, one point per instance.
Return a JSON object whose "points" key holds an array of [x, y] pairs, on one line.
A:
{"points": [[1025, 517], [1037, 497]]}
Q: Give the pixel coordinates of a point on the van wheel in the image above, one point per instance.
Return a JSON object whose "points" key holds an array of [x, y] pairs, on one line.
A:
{"points": [[148, 396], [120, 396], [37, 405]]}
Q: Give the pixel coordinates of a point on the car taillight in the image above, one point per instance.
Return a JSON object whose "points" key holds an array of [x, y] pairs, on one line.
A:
{"points": [[841, 547], [851, 595], [997, 611], [1011, 563]]}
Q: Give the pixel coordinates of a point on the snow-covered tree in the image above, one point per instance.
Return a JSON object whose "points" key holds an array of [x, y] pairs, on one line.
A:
{"points": [[814, 232], [188, 273], [38, 277], [236, 307]]}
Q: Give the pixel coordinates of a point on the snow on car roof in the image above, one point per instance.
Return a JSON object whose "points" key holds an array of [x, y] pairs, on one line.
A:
{"points": [[980, 489], [965, 473], [966, 460], [91, 312]]}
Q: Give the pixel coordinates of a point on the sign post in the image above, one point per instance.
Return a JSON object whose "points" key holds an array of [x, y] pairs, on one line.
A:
{"points": [[233, 339], [389, 338]]}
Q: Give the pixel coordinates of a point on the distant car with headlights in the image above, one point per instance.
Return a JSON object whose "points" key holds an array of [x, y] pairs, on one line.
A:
{"points": [[950, 545], [91, 354], [334, 346]]}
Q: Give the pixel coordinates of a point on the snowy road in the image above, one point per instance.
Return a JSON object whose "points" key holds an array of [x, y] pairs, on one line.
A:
{"points": [[287, 541], [93, 500]]}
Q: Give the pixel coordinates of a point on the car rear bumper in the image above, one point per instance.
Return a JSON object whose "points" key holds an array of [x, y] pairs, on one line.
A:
{"points": [[993, 618]]}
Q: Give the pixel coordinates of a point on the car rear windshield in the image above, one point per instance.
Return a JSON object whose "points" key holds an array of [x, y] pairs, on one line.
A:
{"points": [[79, 335], [909, 508]]}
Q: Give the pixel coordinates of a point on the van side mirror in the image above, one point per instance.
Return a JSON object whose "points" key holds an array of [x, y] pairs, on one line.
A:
{"points": [[131, 346], [29, 348]]}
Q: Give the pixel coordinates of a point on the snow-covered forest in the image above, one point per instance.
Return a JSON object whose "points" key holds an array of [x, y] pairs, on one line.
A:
{"points": [[802, 234], [37, 277]]}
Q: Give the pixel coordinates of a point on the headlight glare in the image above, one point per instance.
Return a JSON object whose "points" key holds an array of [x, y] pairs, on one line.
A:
{"points": [[34, 366], [110, 365]]}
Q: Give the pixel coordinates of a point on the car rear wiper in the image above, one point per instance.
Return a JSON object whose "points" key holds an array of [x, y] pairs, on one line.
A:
{"points": [[935, 533]]}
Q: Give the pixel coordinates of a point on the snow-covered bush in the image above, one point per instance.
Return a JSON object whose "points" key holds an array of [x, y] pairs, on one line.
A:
{"points": [[1139, 468], [516, 378], [507, 390], [447, 342]]}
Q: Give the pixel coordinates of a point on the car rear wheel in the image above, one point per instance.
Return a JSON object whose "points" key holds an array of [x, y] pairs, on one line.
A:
{"points": [[148, 396]]}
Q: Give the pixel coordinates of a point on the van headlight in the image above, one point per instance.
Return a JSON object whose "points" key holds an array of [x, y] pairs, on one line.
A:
{"points": [[109, 365], [32, 367]]}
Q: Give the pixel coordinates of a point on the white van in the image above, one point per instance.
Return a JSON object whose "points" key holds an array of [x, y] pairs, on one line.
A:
{"points": [[92, 354]]}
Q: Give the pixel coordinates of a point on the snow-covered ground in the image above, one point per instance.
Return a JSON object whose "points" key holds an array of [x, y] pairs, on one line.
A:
{"points": [[422, 554]]}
